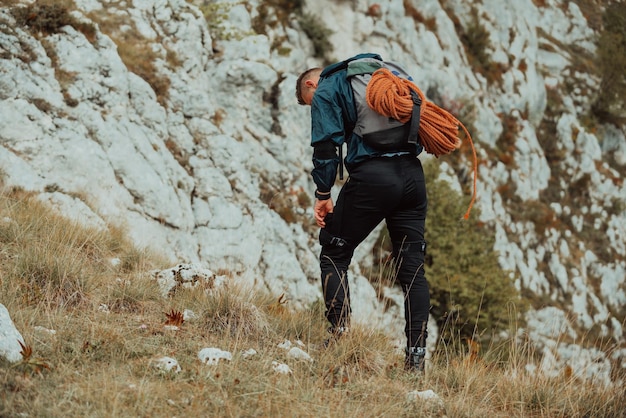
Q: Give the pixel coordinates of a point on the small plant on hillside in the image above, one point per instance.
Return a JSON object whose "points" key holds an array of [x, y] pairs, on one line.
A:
{"points": [[475, 38], [139, 58], [216, 14], [49, 16], [415, 14], [273, 13], [30, 364], [318, 33], [232, 313], [288, 201], [136, 52]]}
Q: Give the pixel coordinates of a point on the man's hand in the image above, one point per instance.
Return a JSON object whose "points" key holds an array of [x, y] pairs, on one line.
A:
{"points": [[321, 209]]}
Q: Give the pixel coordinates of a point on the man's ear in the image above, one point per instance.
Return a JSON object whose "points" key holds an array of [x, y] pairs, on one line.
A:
{"points": [[310, 83]]}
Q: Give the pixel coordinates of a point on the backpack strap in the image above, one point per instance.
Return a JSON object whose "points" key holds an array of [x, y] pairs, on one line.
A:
{"points": [[341, 162], [414, 126]]}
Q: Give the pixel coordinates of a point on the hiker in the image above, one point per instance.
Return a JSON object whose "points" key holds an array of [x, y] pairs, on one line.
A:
{"points": [[385, 183]]}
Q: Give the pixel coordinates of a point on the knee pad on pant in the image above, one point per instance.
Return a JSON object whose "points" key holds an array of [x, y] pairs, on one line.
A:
{"points": [[410, 258], [407, 247], [328, 239]]}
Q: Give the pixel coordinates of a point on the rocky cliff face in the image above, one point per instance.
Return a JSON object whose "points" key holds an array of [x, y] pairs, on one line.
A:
{"points": [[179, 121]]}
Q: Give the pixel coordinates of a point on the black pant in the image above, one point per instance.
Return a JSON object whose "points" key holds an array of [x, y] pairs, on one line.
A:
{"points": [[393, 189]]}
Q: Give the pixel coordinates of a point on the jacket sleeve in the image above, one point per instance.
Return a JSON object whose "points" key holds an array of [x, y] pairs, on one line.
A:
{"points": [[327, 133]]}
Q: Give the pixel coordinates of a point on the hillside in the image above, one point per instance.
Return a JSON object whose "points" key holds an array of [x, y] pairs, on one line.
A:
{"points": [[177, 122]]}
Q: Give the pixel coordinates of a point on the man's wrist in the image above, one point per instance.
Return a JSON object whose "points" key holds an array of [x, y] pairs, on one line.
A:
{"points": [[322, 195]]}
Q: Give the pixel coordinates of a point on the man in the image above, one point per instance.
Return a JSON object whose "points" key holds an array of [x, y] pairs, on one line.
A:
{"points": [[383, 185]]}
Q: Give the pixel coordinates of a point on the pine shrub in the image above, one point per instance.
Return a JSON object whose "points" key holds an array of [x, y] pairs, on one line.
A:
{"points": [[471, 296]]}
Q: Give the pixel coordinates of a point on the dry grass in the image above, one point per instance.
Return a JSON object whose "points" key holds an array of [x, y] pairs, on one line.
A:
{"points": [[57, 274]]}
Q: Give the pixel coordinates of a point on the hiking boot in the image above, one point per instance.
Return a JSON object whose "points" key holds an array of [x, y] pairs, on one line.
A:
{"points": [[415, 359], [336, 333]]}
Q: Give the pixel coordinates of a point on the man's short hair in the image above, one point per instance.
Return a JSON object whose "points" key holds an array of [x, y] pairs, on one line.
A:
{"points": [[300, 83]]}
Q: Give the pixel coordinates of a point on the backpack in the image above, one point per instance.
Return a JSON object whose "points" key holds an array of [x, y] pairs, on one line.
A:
{"points": [[378, 131]]}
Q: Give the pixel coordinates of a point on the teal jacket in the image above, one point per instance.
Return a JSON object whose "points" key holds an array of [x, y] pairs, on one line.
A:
{"points": [[333, 117]]}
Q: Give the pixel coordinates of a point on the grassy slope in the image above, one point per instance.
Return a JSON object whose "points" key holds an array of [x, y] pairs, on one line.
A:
{"points": [[56, 274]]}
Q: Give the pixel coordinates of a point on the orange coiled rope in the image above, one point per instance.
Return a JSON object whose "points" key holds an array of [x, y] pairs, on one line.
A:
{"points": [[390, 95]]}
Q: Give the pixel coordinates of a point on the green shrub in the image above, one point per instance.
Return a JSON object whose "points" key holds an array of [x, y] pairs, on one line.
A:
{"points": [[611, 60], [470, 293]]}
